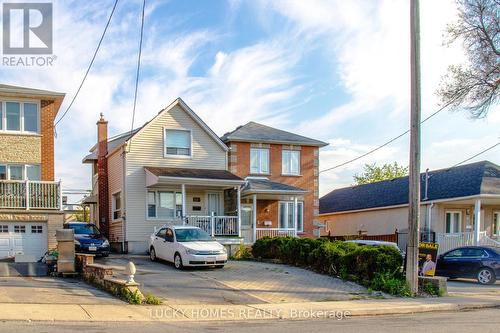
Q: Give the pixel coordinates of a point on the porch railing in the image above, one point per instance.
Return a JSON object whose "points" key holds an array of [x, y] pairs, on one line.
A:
{"points": [[450, 241], [215, 225], [274, 232], [28, 195]]}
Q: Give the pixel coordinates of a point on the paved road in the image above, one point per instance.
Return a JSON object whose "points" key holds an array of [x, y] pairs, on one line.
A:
{"points": [[239, 282], [483, 321]]}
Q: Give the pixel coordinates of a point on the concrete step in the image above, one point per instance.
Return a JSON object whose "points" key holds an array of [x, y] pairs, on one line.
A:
{"points": [[13, 269]]}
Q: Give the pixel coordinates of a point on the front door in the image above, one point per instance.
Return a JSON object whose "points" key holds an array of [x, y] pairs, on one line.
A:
{"points": [[213, 204], [247, 223]]}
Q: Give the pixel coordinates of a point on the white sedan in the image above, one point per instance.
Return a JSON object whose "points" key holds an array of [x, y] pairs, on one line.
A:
{"points": [[186, 246]]}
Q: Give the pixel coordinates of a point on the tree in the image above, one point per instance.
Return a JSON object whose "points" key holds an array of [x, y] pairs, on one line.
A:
{"points": [[475, 85], [373, 173]]}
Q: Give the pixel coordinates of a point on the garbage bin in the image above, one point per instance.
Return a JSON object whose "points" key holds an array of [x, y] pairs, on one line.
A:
{"points": [[66, 250]]}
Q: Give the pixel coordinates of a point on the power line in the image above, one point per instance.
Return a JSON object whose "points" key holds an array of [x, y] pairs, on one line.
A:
{"points": [[480, 153], [90, 66], [386, 143], [138, 68]]}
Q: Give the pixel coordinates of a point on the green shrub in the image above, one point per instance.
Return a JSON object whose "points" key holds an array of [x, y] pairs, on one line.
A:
{"points": [[151, 299], [377, 267], [131, 297], [242, 253], [432, 289]]}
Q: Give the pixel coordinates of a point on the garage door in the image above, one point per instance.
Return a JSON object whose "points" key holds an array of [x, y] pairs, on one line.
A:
{"points": [[23, 238]]}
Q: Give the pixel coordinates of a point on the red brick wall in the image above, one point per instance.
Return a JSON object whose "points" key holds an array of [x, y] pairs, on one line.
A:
{"points": [[48, 112], [239, 164]]}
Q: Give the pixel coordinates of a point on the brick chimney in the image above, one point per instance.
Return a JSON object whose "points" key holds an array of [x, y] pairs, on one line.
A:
{"points": [[102, 175]]}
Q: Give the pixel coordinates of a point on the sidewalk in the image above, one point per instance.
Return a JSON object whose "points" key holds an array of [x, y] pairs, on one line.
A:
{"points": [[292, 311]]}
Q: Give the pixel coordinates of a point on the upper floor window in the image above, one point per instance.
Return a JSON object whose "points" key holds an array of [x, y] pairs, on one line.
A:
{"points": [[19, 117], [177, 142], [290, 162], [19, 172], [259, 160]]}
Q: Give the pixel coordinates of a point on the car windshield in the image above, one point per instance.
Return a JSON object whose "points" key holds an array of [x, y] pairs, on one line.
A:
{"points": [[84, 229], [192, 235]]}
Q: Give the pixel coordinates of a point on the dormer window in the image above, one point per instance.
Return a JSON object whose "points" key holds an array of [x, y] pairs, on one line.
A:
{"points": [[177, 143]]}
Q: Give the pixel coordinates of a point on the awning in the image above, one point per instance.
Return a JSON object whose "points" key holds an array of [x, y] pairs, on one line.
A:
{"points": [[176, 176], [91, 199], [266, 186]]}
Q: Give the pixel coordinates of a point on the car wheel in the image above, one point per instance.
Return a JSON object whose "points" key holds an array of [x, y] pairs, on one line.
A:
{"points": [[486, 276], [152, 254], [178, 261]]}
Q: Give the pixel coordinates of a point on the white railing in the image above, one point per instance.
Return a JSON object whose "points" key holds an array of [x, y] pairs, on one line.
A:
{"points": [[30, 195], [484, 239], [275, 232], [450, 241], [215, 225]]}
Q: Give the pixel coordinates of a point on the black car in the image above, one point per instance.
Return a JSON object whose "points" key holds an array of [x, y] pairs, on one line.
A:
{"points": [[477, 262], [88, 238]]}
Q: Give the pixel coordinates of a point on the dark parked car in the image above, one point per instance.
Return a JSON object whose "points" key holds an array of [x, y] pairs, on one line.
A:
{"points": [[88, 239], [477, 262]]}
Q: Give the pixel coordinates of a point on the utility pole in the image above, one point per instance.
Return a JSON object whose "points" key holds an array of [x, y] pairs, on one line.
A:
{"points": [[414, 174]]}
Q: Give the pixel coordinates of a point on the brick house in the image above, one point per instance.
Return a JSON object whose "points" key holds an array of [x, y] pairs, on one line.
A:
{"points": [[30, 199], [176, 170]]}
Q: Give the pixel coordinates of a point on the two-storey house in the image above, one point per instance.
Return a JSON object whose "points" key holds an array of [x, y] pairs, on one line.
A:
{"points": [[280, 196], [176, 170], [30, 199]]}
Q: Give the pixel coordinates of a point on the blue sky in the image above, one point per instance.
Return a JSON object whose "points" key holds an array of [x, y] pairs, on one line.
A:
{"points": [[333, 70]]}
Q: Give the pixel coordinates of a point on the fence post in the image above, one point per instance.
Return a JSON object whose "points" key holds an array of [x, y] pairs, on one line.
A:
{"points": [[212, 224], [27, 189]]}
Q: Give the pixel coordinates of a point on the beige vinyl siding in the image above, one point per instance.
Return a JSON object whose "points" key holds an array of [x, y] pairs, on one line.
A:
{"points": [[146, 149], [115, 180]]}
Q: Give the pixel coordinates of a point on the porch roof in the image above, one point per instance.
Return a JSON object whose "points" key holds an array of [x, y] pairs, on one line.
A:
{"points": [[159, 176], [265, 186]]}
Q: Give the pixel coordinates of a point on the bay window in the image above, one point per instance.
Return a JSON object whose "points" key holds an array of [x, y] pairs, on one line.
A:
{"points": [[177, 142], [259, 161], [287, 214], [290, 162]]}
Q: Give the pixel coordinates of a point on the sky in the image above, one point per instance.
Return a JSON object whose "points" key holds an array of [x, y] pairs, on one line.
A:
{"points": [[333, 70]]}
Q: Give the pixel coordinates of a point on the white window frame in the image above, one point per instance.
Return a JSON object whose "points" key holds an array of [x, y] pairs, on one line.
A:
{"points": [[497, 231], [260, 170], [283, 171], [165, 155], [157, 203], [300, 223], [3, 115], [24, 170], [113, 206], [452, 228]]}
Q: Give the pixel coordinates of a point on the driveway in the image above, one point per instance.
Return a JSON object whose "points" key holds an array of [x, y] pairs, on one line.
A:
{"points": [[465, 287], [47, 290], [239, 282]]}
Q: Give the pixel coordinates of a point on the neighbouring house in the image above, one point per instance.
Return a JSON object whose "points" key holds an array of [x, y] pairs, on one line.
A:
{"points": [[281, 193], [459, 206], [30, 198], [175, 169]]}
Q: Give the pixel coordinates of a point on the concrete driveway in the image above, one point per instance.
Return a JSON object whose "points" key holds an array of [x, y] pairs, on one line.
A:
{"points": [[465, 287], [47, 290], [239, 282]]}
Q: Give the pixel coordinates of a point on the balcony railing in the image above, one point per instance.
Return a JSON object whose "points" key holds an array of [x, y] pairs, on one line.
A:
{"points": [[36, 195], [275, 232], [215, 225]]}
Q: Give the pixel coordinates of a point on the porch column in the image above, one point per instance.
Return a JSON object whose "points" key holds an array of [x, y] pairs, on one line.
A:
{"points": [[477, 221], [238, 208], [254, 216], [295, 216], [183, 188]]}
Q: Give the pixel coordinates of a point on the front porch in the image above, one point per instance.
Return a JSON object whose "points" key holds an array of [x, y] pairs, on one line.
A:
{"points": [[224, 205]]}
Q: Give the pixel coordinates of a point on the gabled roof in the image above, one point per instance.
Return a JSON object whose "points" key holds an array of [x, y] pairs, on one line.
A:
{"points": [[122, 138], [23, 91], [264, 185], [462, 181], [254, 132]]}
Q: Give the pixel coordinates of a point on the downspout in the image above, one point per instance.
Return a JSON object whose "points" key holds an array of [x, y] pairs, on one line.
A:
{"points": [[429, 218], [124, 195]]}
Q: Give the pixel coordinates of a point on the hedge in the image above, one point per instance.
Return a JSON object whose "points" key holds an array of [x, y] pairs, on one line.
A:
{"points": [[367, 265]]}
